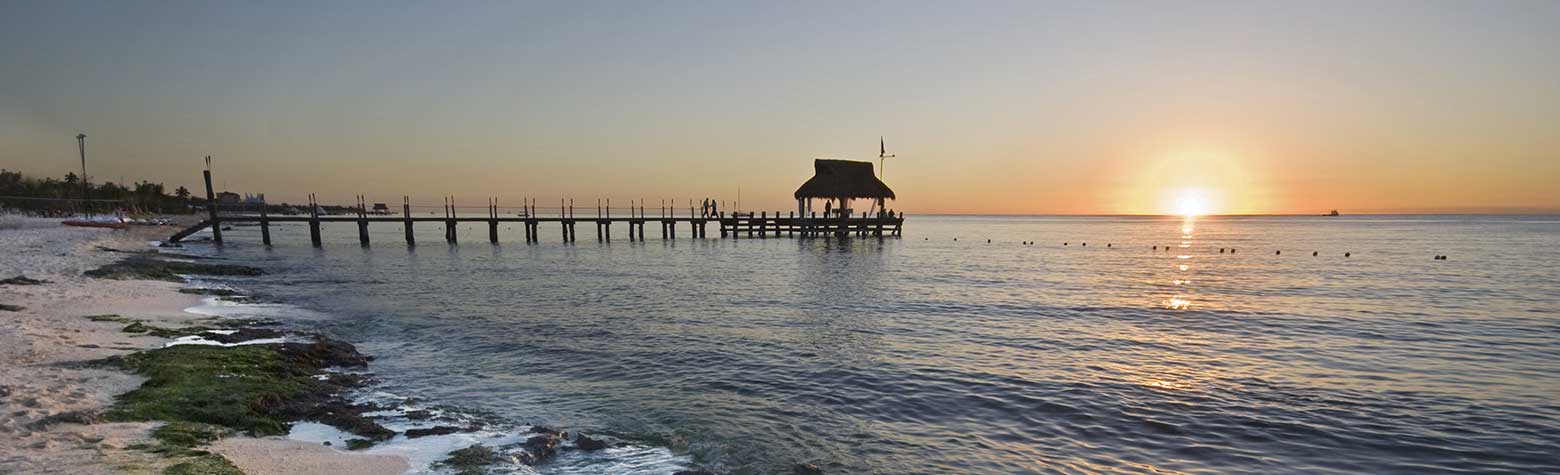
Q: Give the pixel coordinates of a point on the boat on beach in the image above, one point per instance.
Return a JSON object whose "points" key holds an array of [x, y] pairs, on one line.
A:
{"points": [[112, 222]]}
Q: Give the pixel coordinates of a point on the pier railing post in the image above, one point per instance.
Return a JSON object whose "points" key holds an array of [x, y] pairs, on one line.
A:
{"points": [[406, 212]]}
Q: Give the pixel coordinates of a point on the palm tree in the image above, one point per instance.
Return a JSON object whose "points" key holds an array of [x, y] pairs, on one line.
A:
{"points": [[71, 179], [183, 193]]}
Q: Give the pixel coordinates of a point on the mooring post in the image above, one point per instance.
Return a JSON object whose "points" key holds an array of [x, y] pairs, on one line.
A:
{"points": [[265, 226], [211, 204]]}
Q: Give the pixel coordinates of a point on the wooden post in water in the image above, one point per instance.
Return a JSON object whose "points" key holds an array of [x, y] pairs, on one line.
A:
{"points": [[406, 212], [265, 226], [211, 203], [493, 220], [314, 220], [362, 223], [449, 222]]}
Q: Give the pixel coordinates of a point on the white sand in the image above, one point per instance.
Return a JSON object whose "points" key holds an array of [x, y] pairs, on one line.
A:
{"points": [[38, 345]]}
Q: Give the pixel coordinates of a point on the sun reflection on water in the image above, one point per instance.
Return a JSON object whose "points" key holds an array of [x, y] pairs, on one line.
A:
{"points": [[1180, 301]]}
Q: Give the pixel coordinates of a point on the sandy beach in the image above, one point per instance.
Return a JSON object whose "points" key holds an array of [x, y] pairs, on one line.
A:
{"points": [[46, 394]]}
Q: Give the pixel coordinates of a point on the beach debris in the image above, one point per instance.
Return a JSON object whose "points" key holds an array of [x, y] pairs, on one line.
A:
{"points": [[23, 280], [11, 308]]}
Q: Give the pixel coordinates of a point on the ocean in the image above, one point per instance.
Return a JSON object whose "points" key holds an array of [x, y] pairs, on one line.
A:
{"points": [[973, 344]]}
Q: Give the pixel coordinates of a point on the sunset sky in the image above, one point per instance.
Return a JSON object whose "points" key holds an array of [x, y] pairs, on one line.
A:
{"points": [[1025, 107]]}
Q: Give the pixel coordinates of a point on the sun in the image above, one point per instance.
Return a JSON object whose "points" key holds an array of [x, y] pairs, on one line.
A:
{"points": [[1191, 202]]}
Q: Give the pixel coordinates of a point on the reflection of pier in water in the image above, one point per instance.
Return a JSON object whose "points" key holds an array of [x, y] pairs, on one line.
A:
{"points": [[829, 183]]}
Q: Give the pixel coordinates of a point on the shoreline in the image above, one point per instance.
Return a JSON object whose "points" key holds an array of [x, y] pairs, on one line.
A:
{"points": [[45, 389]]}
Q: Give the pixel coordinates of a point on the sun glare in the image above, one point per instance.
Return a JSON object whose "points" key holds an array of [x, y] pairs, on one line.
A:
{"points": [[1191, 203], [1193, 178]]}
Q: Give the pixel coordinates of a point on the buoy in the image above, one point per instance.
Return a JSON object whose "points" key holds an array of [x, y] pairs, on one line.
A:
{"points": [[1221, 250], [955, 239], [988, 241], [1156, 248], [1278, 253], [1346, 254], [1085, 244], [1064, 244], [1313, 253], [1107, 244], [1232, 250]]}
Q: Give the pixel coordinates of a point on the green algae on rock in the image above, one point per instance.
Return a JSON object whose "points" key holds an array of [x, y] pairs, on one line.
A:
{"points": [[157, 267]]}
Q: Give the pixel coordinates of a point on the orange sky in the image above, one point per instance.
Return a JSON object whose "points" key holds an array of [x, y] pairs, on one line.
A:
{"points": [[1012, 108]]}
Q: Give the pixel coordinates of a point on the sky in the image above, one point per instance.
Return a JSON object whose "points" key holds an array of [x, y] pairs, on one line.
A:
{"points": [[991, 107]]}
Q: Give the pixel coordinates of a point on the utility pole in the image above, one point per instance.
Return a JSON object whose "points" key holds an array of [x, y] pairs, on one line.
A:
{"points": [[81, 143], [882, 154]]}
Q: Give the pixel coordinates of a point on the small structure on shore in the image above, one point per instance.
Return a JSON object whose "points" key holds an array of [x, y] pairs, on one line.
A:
{"points": [[838, 182]]}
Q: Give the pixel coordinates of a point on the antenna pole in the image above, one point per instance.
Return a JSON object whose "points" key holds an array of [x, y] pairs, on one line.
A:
{"points": [[81, 143]]}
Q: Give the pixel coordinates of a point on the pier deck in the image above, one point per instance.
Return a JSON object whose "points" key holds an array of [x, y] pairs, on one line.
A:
{"points": [[750, 225]]}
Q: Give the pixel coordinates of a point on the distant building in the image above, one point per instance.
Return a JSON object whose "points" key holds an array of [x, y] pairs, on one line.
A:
{"points": [[228, 198], [380, 208], [838, 182], [255, 199]]}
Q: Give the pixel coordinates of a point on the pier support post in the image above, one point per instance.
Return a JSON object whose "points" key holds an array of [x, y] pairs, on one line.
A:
{"points": [[314, 221], [265, 227], [211, 204], [406, 212], [362, 222]]}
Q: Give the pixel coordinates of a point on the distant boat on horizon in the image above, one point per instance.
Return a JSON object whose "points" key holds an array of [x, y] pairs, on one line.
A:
{"points": [[1333, 213]]}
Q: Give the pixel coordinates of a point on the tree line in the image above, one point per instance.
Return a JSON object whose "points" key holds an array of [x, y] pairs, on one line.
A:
{"points": [[63, 195]]}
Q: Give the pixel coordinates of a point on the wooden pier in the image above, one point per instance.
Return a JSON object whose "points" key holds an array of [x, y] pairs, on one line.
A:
{"points": [[760, 225]]}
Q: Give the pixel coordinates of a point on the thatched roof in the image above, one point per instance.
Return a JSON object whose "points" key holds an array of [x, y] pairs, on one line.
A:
{"points": [[843, 179]]}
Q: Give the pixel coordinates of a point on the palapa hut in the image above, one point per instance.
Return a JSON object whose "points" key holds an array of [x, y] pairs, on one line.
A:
{"points": [[838, 182]]}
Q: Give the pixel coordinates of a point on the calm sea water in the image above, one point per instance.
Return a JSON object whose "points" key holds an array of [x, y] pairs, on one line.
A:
{"points": [[943, 353]]}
